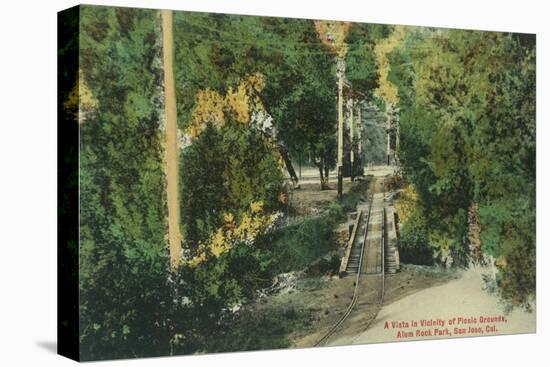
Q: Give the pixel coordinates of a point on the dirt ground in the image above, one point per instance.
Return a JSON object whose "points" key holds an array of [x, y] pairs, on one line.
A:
{"points": [[465, 296], [309, 199], [309, 196], [326, 299]]}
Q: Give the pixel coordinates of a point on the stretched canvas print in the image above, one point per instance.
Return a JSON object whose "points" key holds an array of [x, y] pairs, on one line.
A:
{"points": [[235, 183]]}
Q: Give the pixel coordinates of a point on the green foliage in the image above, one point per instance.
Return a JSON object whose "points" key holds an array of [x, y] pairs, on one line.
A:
{"points": [[257, 330], [294, 247], [467, 112], [202, 186], [223, 171], [124, 298], [356, 193], [414, 244], [467, 124], [252, 171], [131, 305], [361, 69], [519, 274], [215, 51]]}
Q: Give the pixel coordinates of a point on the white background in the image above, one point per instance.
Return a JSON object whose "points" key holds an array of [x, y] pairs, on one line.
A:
{"points": [[28, 182]]}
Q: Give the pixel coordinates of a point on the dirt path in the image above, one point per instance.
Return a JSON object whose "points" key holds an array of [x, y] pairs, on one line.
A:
{"points": [[174, 236], [463, 297], [328, 302]]}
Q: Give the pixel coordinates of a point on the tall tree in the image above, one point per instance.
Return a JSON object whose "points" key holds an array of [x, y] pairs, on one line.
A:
{"points": [[215, 51], [468, 138], [333, 35], [387, 90], [124, 296]]}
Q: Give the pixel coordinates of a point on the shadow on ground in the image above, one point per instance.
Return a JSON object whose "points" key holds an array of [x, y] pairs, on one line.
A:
{"points": [[48, 345]]}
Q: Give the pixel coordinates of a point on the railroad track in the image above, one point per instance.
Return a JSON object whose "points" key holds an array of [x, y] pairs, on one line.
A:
{"points": [[366, 255]]}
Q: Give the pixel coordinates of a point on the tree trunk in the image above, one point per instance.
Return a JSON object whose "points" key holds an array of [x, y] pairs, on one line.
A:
{"points": [[326, 174], [174, 235], [320, 166], [300, 166], [288, 163], [323, 173], [474, 229]]}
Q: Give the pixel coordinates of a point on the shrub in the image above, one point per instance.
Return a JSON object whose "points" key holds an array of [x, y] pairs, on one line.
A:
{"points": [[294, 247], [414, 245], [254, 330]]}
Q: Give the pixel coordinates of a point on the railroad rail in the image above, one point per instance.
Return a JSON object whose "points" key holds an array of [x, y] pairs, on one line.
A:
{"points": [[357, 278], [362, 257]]}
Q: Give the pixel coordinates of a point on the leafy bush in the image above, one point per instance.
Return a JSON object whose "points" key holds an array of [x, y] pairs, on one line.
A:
{"points": [[202, 192], [254, 330], [356, 193], [126, 303], [414, 245], [396, 182], [519, 269], [294, 247], [323, 266], [467, 141]]}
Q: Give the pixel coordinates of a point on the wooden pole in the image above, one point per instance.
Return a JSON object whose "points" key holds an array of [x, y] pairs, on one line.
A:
{"points": [[397, 134], [351, 154], [340, 165], [359, 132], [388, 129], [174, 235], [359, 138]]}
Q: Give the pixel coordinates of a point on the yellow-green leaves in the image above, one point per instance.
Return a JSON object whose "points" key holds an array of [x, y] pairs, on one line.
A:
{"points": [[252, 223], [333, 35], [81, 99], [386, 90], [237, 104]]}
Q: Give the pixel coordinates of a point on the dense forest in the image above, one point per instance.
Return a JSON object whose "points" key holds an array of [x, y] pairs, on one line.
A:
{"points": [[467, 120], [254, 96]]}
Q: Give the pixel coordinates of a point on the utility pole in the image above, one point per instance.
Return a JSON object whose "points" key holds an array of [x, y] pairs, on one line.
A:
{"points": [[351, 153], [333, 34], [174, 235], [388, 130], [359, 133], [396, 111], [340, 69]]}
